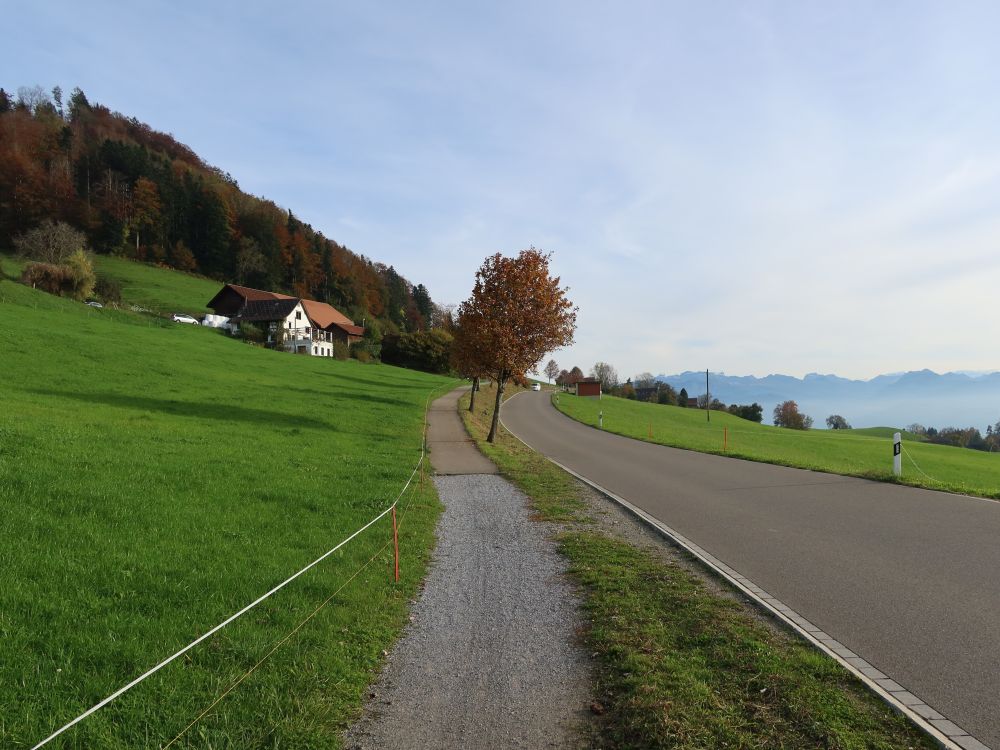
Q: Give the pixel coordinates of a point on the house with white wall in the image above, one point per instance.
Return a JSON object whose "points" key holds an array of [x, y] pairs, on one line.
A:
{"points": [[296, 325]]}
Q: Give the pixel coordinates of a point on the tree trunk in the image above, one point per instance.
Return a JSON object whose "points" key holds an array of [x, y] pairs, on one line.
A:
{"points": [[472, 397], [500, 383]]}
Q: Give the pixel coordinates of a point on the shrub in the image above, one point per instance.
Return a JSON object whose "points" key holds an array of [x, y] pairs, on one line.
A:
{"points": [[74, 279], [48, 277], [362, 355], [341, 350], [250, 333], [108, 289], [82, 273], [754, 412], [182, 258], [429, 351], [51, 242]]}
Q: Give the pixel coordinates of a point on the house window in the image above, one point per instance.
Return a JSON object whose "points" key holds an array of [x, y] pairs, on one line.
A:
{"points": [[298, 315]]}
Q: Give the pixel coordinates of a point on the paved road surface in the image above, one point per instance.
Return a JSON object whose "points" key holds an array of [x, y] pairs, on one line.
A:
{"points": [[909, 579]]}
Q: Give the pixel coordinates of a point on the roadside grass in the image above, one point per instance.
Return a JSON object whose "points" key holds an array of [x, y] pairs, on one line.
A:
{"points": [[158, 289], [682, 666], [155, 479], [554, 493], [862, 453]]}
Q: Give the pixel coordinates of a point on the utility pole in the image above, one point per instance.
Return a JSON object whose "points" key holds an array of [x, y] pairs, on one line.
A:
{"points": [[708, 399]]}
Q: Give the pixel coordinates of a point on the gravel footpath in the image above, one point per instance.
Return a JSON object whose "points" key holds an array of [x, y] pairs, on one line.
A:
{"points": [[492, 657]]}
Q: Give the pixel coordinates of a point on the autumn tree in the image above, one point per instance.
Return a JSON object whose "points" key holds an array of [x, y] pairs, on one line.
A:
{"points": [[468, 357], [145, 207], [518, 313], [551, 370], [787, 414]]}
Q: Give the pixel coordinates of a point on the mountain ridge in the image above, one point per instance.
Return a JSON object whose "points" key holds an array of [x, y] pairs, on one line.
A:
{"points": [[950, 399]]}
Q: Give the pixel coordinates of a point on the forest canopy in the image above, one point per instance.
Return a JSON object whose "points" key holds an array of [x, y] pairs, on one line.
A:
{"points": [[139, 193]]}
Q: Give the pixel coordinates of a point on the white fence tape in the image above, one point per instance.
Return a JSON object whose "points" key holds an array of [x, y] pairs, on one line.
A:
{"points": [[221, 625], [228, 620]]}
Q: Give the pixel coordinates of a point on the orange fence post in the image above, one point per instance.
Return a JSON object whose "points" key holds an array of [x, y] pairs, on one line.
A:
{"points": [[395, 541]]}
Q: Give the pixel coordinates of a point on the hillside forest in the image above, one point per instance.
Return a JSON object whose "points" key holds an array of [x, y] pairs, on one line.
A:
{"points": [[142, 194]]}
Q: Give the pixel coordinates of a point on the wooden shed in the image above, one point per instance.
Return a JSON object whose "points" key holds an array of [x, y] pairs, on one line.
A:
{"points": [[588, 387]]}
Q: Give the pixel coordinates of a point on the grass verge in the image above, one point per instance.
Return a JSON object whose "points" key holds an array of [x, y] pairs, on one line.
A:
{"points": [[862, 453], [156, 478], [679, 664]]}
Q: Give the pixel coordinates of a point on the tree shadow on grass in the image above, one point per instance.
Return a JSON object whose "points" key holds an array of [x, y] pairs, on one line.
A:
{"points": [[195, 409], [334, 395], [399, 383]]}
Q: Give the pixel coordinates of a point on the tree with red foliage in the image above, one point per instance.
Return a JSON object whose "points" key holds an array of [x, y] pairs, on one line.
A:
{"points": [[518, 313], [787, 414]]}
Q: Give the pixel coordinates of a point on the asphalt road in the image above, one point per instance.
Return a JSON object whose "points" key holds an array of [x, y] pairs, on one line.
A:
{"points": [[908, 579]]}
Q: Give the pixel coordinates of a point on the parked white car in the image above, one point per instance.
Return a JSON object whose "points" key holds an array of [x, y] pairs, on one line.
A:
{"points": [[536, 386], [183, 318]]}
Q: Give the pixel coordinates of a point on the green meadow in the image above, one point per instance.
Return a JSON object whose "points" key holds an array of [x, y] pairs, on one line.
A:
{"points": [[157, 289], [156, 478], [863, 453]]}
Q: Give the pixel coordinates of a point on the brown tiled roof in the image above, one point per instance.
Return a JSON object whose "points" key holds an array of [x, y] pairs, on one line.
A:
{"points": [[266, 309], [323, 315], [256, 295], [349, 329]]}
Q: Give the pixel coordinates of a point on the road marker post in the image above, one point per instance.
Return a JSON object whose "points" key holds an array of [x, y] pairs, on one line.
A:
{"points": [[600, 419], [897, 454], [725, 439], [650, 429], [395, 542]]}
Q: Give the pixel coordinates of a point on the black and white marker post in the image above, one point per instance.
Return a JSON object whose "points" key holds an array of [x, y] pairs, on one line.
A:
{"points": [[897, 454]]}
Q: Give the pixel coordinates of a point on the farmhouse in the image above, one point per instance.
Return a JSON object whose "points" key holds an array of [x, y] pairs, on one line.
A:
{"points": [[297, 325]]}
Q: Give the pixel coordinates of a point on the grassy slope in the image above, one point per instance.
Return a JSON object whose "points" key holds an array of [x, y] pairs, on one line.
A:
{"points": [[679, 666], [154, 479], [850, 452], [158, 289]]}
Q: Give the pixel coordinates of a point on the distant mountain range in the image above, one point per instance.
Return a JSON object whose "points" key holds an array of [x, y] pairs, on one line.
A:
{"points": [[954, 399]]}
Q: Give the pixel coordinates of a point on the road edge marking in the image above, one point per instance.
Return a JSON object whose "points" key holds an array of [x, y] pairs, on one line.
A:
{"points": [[898, 698]]}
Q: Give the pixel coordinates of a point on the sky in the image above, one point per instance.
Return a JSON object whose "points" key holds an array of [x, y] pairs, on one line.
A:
{"points": [[750, 187]]}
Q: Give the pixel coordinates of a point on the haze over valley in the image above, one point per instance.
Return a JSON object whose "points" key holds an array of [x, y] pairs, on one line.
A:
{"points": [[953, 399]]}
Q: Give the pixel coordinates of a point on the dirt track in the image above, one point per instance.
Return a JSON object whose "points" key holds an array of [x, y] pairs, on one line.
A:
{"points": [[491, 658]]}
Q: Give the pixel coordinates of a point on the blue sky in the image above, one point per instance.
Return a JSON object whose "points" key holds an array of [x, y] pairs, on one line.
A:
{"points": [[749, 187]]}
